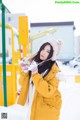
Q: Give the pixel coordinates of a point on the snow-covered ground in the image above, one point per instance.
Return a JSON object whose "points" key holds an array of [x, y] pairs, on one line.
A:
{"points": [[70, 101], [70, 91]]}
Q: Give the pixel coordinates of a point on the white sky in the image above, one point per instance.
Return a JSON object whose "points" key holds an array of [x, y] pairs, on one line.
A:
{"points": [[46, 11]]}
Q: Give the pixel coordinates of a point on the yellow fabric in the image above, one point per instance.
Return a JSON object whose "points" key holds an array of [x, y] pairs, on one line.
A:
{"points": [[47, 98]]}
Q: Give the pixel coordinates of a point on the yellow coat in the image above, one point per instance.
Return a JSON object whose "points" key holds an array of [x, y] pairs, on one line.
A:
{"points": [[47, 98]]}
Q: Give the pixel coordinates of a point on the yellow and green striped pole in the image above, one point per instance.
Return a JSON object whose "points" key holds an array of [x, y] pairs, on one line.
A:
{"points": [[3, 8], [4, 55]]}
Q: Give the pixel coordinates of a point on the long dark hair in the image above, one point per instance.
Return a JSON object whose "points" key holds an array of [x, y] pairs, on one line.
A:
{"points": [[47, 64]]}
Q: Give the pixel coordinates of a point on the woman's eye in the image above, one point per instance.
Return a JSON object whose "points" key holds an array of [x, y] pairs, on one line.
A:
{"points": [[48, 51]]}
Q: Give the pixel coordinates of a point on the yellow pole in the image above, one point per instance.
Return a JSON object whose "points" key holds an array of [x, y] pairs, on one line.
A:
{"points": [[23, 33]]}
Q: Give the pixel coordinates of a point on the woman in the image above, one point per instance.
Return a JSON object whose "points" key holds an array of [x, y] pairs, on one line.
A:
{"points": [[40, 86]]}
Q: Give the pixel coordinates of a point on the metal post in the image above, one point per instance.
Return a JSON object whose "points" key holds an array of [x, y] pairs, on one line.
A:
{"points": [[4, 55], [0, 1]]}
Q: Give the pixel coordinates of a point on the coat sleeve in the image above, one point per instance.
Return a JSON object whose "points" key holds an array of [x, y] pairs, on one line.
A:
{"points": [[45, 88], [24, 88]]}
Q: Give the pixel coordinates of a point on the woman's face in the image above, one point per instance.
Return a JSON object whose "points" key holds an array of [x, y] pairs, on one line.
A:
{"points": [[45, 52]]}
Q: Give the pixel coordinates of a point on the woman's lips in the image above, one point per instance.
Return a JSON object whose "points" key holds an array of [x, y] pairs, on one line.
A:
{"points": [[42, 56]]}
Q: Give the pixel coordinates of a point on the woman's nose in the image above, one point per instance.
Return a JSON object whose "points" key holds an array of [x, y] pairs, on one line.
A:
{"points": [[43, 52]]}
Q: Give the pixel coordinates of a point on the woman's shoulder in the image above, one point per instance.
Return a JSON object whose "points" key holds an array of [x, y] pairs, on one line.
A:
{"points": [[55, 68]]}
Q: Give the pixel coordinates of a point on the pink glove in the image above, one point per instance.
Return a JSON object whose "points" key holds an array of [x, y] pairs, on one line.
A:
{"points": [[24, 63], [33, 67], [25, 68]]}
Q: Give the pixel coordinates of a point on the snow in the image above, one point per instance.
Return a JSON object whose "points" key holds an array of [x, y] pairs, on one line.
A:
{"points": [[70, 101], [14, 112]]}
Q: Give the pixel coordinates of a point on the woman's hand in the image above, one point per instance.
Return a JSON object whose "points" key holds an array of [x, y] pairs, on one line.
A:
{"points": [[33, 67], [24, 63], [25, 68]]}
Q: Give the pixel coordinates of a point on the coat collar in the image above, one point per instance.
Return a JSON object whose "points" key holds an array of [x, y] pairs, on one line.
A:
{"points": [[52, 73]]}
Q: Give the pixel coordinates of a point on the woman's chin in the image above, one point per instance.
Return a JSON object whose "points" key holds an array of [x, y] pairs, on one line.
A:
{"points": [[42, 59]]}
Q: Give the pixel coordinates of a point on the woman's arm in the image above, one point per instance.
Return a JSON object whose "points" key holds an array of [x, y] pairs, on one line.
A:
{"points": [[45, 88], [24, 78]]}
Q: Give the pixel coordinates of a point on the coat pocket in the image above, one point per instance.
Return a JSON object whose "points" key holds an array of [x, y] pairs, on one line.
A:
{"points": [[58, 102], [49, 102], [55, 101]]}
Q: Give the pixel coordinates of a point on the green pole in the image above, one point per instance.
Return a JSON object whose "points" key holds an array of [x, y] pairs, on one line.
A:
{"points": [[0, 1], [4, 55]]}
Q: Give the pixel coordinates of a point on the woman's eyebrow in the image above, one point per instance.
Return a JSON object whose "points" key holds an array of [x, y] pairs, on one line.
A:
{"points": [[48, 50]]}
